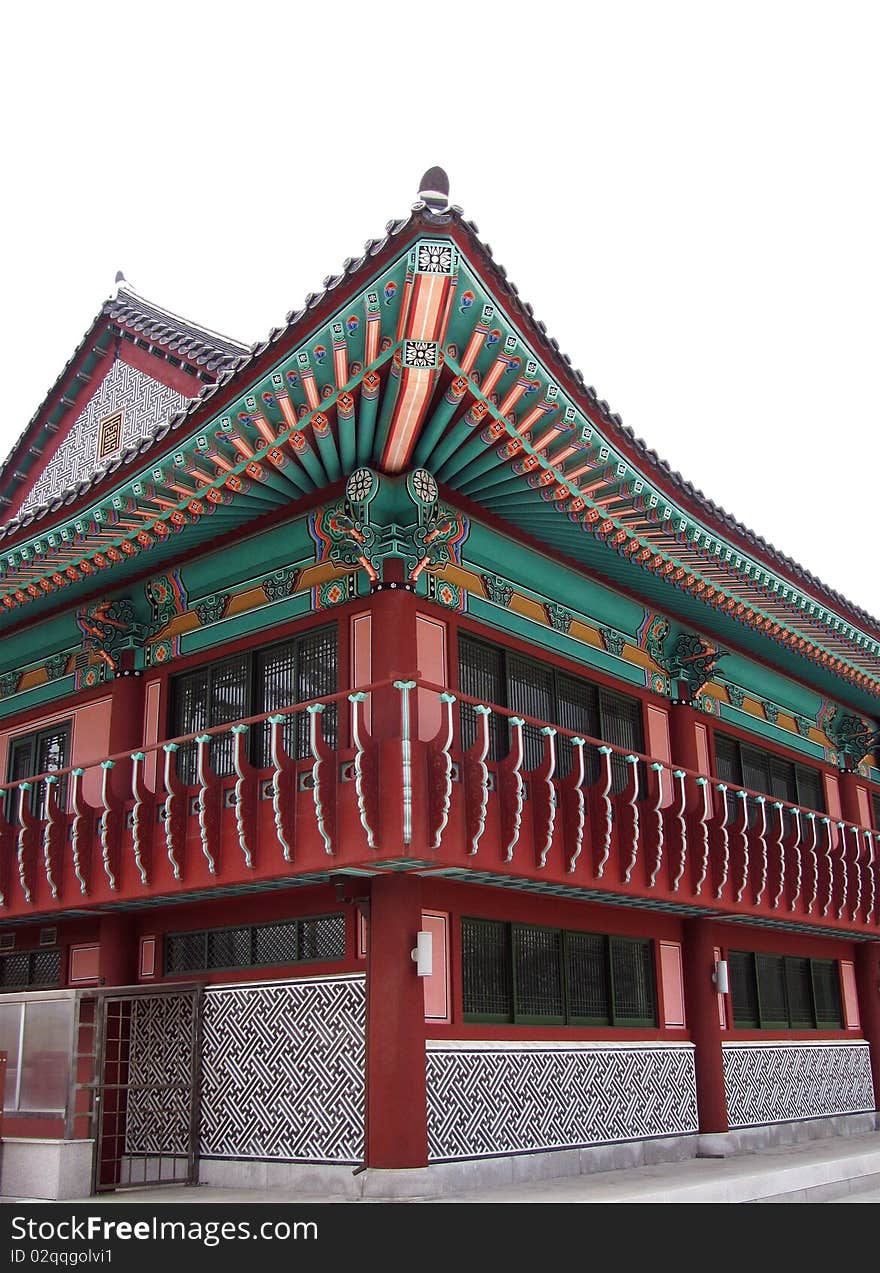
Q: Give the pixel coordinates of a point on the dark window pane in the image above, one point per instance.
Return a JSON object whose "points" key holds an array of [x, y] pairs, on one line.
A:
{"points": [[229, 702], [632, 980], [275, 944], [800, 993], [322, 938], [485, 968], [481, 675], [530, 693], [577, 709], [185, 952], [276, 689], [15, 970], [771, 990], [782, 783], [587, 974], [809, 789], [826, 990], [190, 717], [875, 809], [743, 989], [229, 948], [538, 972], [621, 726], [317, 659]]}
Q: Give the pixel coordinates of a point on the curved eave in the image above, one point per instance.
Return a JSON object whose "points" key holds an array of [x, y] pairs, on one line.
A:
{"points": [[415, 358]]}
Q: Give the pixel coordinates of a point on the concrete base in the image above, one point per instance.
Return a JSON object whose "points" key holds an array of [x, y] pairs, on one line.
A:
{"points": [[51, 1169]]}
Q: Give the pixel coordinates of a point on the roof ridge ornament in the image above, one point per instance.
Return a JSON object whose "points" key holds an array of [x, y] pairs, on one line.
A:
{"points": [[434, 189]]}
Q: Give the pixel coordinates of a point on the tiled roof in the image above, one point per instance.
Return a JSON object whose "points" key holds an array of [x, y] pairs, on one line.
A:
{"points": [[226, 359]]}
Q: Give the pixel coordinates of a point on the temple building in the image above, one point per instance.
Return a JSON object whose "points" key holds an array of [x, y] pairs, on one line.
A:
{"points": [[403, 768]]}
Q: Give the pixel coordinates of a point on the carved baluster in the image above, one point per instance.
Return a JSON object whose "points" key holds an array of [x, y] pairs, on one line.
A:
{"points": [[743, 832], [324, 774], [28, 829], [875, 844], [53, 837], [844, 871], [780, 849], [797, 859], [828, 865], [605, 815], [760, 834], [660, 825], [511, 789], [857, 872], [574, 805], [175, 811], [366, 773], [813, 861], [109, 824], [405, 688], [871, 868], [722, 872], [7, 847], [475, 773], [440, 774], [701, 865], [632, 819], [678, 775], [543, 796], [143, 818], [245, 795], [283, 789], [208, 804], [82, 831]]}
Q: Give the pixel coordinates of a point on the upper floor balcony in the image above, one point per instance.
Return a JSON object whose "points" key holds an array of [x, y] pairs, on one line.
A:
{"points": [[423, 779]]}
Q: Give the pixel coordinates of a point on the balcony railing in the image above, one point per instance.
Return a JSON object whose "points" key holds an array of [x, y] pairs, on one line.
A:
{"points": [[609, 822]]}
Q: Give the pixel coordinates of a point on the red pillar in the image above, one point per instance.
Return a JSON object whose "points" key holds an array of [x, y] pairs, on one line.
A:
{"points": [[701, 1005], [397, 1133], [849, 784], [126, 724], [684, 721], [118, 939], [868, 989]]}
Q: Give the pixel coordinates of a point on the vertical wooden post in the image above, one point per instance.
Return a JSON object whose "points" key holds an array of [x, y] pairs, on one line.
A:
{"points": [[868, 989], [397, 1134], [701, 1006]]}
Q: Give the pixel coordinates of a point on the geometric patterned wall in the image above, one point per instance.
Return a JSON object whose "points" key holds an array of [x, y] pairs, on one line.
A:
{"points": [[146, 403], [159, 1057], [487, 1100], [773, 1083], [283, 1070]]}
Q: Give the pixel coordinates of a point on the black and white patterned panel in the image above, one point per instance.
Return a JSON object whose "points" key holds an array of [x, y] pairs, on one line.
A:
{"points": [[145, 404], [283, 1071], [774, 1084], [486, 1101], [159, 1098]]}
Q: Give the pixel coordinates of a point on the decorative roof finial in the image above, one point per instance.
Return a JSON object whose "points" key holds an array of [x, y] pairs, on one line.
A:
{"points": [[434, 189], [122, 283]]}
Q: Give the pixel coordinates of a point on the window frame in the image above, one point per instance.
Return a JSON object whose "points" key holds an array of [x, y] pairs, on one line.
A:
{"points": [[255, 659], [605, 698], [33, 739], [568, 1018], [297, 921], [769, 758], [787, 1025]]}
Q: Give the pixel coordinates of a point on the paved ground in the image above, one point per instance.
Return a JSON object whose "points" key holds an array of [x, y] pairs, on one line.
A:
{"points": [[844, 1169]]}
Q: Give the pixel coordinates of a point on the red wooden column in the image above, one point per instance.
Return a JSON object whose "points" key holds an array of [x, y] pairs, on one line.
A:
{"points": [[868, 990], [689, 747], [126, 721], [850, 804], [397, 1129], [701, 1006]]}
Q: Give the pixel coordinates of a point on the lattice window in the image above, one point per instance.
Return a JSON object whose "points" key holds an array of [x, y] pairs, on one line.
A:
{"points": [[781, 992], [250, 684], [530, 688], [533, 974], [589, 996], [30, 968], [44, 751], [632, 982], [319, 938], [487, 977], [537, 973], [826, 993], [743, 989], [743, 765], [875, 809]]}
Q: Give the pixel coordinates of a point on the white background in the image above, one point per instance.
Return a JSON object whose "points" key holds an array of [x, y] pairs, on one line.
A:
{"points": [[686, 192]]}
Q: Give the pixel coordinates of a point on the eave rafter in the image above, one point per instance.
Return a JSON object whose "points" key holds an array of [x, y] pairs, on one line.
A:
{"points": [[425, 366]]}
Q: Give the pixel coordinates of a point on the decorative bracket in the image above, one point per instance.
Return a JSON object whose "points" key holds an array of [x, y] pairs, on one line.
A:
{"points": [[688, 659]]}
